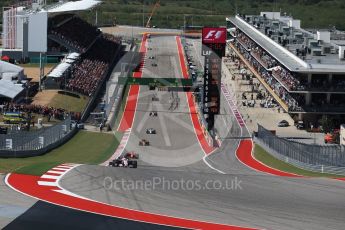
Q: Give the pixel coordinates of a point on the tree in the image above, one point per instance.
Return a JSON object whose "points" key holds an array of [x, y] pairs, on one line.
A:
{"points": [[327, 123]]}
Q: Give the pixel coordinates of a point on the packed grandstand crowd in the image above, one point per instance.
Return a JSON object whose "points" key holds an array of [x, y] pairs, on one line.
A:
{"points": [[291, 82], [269, 79], [98, 51], [88, 72]]}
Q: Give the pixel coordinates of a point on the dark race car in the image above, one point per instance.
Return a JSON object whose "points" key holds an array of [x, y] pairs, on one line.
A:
{"points": [[153, 114], [150, 131], [144, 142], [119, 163]]}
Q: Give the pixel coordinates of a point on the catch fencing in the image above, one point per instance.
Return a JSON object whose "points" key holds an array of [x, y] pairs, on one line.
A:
{"points": [[318, 158], [34, 143]]}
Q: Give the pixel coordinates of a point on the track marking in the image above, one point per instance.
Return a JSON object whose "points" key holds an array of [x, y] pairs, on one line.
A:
{"points": [[143, 121], [209, 165], [164, 130], [57, 195]]}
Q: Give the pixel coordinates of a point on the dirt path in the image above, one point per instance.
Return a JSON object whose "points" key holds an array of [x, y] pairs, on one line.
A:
{"points": [[45, 97], [34, 72]]}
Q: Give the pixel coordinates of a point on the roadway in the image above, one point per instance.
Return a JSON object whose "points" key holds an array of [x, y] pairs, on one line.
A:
{"points": [[12, 204], [245, 197], [264, 201], [175, 143]]}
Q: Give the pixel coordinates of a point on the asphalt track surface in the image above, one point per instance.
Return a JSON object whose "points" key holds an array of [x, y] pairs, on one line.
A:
{"points": [[175, 143], [239, 195], [263, 201], [12, 204], [48, 216]]}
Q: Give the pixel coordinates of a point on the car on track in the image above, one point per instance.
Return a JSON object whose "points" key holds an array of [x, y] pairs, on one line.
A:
{"points": [[153, 114], [132, 155], [150, 131], [154, 64], [155, 98], [151, 57], [283, 123], [144, 142], [119, 163]]}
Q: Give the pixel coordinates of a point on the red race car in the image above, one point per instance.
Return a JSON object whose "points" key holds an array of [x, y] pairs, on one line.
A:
{"points": [[132, 155]]}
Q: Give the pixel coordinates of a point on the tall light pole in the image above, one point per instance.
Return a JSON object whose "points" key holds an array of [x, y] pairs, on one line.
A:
{"points": [[143, 14]]}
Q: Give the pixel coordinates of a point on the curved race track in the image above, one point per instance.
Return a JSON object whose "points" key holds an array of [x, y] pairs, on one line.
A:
{"points": [[258, 200], [174, 177]]}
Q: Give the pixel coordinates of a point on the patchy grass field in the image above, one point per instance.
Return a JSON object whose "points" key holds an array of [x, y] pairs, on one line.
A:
{"points": [[84, 148], [57, 99], [71, 103], [264, 157]]}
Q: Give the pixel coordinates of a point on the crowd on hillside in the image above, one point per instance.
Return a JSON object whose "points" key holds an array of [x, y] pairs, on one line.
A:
{"points": [[47, 111], [76, 33]]}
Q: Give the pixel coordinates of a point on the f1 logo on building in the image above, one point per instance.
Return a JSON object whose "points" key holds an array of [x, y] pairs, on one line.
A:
{"points": [[213, 35]]}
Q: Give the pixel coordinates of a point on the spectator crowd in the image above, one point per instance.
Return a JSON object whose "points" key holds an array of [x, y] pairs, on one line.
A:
{"points": [[89, 71], [275, 85], [50, 112]]}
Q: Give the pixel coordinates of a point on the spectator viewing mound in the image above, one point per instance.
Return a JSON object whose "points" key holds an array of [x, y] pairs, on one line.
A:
{"points": [[61, 99]]}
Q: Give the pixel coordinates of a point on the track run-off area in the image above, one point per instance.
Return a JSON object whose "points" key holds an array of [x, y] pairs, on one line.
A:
{"points": [[263, 198]]}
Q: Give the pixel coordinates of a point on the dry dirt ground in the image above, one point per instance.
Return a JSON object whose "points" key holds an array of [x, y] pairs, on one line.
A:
{"points": [[45, 97], [34, 72]]}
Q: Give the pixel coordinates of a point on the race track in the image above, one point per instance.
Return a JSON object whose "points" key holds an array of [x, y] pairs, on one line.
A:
{"points": [[175, 178], [263, 201]]}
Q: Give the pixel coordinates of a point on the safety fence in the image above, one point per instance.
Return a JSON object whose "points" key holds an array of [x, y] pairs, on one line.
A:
{"points": [[318, 158], [38, 142], [34, 143]]}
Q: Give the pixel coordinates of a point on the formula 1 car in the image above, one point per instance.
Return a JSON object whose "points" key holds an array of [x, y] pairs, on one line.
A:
{"points": [[119, 163], [132, 155], [144, 142], [153, 114], [150, 131]]}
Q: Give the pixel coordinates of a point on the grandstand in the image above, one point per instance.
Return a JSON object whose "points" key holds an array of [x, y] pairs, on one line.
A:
{"points": [[87, 57], [56, 30], [304, 71]]}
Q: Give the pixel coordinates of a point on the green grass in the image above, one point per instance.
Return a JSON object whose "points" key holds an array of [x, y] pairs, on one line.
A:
{"points": [[313, 13], [70, 103], [170, 14], [84, 148], [264, 157]]}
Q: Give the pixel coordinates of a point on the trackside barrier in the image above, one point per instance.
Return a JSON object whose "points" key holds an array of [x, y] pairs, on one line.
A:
{"points": [[317, 158], [35, 143]]}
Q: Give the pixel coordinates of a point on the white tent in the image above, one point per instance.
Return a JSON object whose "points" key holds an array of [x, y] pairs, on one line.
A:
{"points": [[59, 70], [10, 89], [9, 71], [73, 56]]}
